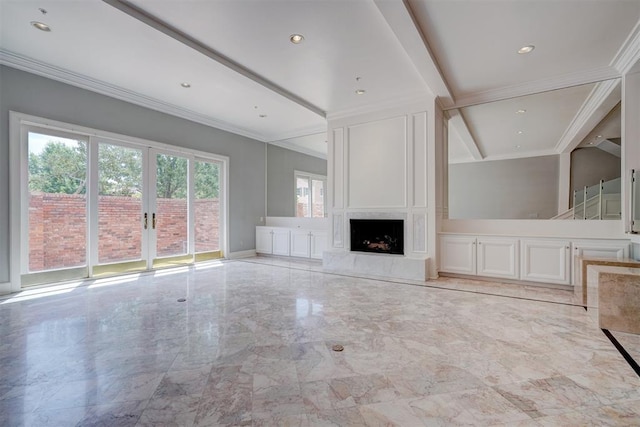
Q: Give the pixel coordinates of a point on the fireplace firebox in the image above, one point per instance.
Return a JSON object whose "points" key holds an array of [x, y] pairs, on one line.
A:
{"points": [[377, 235]]}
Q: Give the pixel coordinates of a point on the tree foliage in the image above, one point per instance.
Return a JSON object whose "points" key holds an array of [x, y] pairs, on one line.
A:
{"points": [[62, 168]]}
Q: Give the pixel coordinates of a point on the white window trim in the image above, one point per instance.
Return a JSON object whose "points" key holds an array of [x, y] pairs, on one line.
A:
{"points": [[310, 176], [18, 122]]}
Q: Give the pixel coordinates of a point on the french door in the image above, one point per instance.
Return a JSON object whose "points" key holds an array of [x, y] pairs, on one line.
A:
{"points": [[97, 207]]}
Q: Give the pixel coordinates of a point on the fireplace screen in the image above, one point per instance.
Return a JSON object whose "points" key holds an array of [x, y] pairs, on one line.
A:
{"points": [[377, 235]]}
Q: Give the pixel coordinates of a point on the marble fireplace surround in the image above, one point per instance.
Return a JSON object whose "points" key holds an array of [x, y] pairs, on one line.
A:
{"points": [[382, 265]]}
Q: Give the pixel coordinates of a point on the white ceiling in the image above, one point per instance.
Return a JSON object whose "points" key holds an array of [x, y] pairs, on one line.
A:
{"points": [[238, 58]]}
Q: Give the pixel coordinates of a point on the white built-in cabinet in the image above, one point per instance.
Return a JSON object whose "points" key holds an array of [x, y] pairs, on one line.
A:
{"points": [[290, 242], [272, 240], [547, 261], [544, 260], [498, 257], [482, 256], [458, 254]]}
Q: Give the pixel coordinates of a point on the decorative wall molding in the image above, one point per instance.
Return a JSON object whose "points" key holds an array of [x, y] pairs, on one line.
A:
{"points": [[303, 150], [629, 53], [338, 231], [598, 104], [396, 103], [574, 79], [509, 156], [33, 66]]}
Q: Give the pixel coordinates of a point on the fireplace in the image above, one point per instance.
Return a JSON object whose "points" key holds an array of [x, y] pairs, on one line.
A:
{"points": [[377, 235]]}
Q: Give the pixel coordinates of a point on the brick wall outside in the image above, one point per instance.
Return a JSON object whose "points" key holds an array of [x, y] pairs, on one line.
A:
{"points": [[318, 210], [57, 229]]}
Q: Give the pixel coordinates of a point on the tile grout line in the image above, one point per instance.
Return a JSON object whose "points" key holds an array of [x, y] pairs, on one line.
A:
{"points": [[634, 365]]}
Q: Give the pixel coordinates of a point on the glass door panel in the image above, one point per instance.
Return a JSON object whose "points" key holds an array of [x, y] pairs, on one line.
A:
{"points": [[170, 219], [207, 209], [57, 202], [120, 209]]}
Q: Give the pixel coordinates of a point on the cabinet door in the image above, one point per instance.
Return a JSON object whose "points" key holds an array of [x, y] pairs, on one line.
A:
{"points": [[458, 254], [264, 240], [318, 244], [300, 243], [546, 261], [280, 242], [498, 257]]}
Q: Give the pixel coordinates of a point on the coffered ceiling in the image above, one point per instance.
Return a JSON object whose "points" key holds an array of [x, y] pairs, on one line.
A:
{"points": [[246, 76]]}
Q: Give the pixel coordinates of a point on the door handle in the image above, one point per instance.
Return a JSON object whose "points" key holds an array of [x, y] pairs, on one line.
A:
{"points": [[146, 221], [153, 220]]}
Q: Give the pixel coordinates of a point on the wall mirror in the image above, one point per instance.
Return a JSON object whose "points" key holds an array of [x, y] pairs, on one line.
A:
{"points": [[549, 155]]}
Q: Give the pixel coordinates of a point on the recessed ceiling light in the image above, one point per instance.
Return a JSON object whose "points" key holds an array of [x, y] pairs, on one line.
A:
{"points": [[521, 111], [296, 38], [517, 146], [526, 49], [42, 11], [262, 116], [185, 85], [591, 143], [520, 132], [41, 26], [598, 136], [360, 92]]}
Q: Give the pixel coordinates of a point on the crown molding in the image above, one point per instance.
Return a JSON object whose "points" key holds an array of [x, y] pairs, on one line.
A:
{"points": [[597, 105], [65, 76], [509, 156], [629, 53], [381, 106], [292, 147], [574, 79]]}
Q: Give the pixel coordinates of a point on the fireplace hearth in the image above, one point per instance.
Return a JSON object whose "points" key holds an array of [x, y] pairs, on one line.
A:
{"points": [[377, 235]]}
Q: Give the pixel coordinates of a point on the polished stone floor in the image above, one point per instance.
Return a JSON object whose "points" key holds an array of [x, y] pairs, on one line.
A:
{"points": [[252, 345]]}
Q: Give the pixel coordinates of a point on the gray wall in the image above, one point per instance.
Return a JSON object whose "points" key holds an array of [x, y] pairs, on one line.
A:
{"points": [[590, 165], [281, 164], [30, 94], [504, 189]]}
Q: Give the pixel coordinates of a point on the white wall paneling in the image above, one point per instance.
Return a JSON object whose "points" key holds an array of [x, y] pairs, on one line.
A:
{"points": [[338, 231], [458, 254], [419, 232], [498, 257], [376, 164], [336, 174], [420, 180], [546, 261]]}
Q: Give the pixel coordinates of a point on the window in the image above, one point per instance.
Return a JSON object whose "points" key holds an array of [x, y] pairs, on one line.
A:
{"points": [[310, 195]]}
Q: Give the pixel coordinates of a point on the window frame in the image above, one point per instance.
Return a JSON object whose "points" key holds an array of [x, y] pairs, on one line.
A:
{"points": [[309, 177]]}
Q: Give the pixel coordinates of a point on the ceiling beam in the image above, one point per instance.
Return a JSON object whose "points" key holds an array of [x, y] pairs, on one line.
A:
{"points": [[602, 99], [402, 22], [159, 25], [458, 125]]}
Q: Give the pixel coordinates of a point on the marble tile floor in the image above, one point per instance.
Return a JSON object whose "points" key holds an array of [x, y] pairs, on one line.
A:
{"points": [[252, 345]]}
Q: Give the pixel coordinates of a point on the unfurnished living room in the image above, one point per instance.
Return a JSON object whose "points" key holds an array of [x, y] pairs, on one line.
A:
{"points": [[319, 212]]}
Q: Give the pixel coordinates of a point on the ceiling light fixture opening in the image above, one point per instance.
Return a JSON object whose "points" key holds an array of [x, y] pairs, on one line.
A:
{"points": [[526, 49], [296, 38], [185, 85], [360, 92], [262, 116], [521, 111], [41, 26], [517, 147], [43, 11], [520, 132]]}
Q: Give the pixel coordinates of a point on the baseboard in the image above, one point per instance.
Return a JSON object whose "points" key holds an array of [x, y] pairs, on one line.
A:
{"points": [[242, 254], [5, 288]]}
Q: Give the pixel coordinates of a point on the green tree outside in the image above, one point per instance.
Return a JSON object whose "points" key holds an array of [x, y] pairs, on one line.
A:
{"points": [[61, 168]]}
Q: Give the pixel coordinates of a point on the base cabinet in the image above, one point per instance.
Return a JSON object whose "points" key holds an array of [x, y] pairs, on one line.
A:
{"points": [[290, 242], [546, 261], [458, 254], [498, 258], [272, 240]]}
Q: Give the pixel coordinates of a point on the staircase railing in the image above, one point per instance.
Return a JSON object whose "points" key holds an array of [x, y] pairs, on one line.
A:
{"points": [[599, 201]]}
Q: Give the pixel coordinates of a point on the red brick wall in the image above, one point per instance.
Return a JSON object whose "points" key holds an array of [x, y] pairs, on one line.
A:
{"points": [[57, 229], [318, 210]]}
